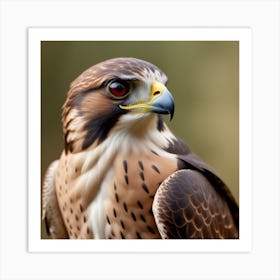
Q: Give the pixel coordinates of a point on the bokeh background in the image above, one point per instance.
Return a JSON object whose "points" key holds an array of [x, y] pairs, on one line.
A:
{"points": [[203, 78]]}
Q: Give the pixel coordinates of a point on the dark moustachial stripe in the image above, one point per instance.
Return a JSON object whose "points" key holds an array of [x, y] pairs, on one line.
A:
{"points": [[99, 127]]}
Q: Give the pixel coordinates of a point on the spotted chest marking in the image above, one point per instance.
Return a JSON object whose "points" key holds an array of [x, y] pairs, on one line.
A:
{"points": [[129, 211], [74, 208]]}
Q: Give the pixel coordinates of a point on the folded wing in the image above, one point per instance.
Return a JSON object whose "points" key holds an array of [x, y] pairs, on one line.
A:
{"points": [[187, 205]]}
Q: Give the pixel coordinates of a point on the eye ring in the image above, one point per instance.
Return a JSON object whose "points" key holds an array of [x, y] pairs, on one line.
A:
{"points": [[118, 89]]}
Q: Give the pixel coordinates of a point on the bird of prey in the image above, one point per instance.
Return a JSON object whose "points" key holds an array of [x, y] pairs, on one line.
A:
{"points": [[123, 174]]}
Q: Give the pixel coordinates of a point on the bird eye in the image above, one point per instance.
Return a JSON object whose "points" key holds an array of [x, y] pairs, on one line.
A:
{"points": [[118, 89]]}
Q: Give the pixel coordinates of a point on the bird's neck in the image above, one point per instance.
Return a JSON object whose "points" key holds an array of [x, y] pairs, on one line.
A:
{"points": [[148, 136], [139, 136]]}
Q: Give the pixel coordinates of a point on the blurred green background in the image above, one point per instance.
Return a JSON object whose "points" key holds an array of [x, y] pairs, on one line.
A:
{"points": [[203, 78]]}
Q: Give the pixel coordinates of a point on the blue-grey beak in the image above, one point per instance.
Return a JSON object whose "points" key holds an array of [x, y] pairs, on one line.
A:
{"points": [[163, 104]]}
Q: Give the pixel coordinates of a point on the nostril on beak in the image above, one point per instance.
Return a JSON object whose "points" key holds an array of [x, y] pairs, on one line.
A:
{"points": [[156, 93]]}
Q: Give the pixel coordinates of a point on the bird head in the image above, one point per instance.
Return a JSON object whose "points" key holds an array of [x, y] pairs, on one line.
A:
{"points": [[120, 92]]}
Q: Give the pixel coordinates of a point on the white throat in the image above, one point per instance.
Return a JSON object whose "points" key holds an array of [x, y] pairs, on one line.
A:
{"points": [[139, 137]]}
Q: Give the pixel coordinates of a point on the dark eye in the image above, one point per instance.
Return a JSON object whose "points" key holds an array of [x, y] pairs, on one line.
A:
{"points": [[118, 89]]}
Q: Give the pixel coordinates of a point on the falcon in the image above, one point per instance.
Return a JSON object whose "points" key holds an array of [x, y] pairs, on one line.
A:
{"points": [[123, 174]]}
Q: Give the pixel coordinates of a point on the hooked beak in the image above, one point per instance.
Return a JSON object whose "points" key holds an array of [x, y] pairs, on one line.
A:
{"points": [[161, 102]]}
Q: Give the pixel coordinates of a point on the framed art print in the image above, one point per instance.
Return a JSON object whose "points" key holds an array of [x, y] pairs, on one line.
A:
{"points": [[208, 74], [78, 75]]}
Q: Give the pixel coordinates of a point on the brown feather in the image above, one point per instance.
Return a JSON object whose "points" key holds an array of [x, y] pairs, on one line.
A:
{"points": [[187, 159], [186, 205]]}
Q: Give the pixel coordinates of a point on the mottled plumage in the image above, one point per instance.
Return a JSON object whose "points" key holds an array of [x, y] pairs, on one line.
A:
{"points": [[123, 173]]}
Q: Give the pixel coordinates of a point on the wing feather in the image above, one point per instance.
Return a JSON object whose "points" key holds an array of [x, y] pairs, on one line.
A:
{"points": [[188, 160], [50, 208], [186, 205]]}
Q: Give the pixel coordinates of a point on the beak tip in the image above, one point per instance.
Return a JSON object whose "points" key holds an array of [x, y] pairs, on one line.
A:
{"points": [[164, 104]]}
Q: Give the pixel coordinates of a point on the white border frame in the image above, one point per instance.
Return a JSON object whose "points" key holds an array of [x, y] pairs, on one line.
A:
{"points": [[263, 17], [243, 35]]}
